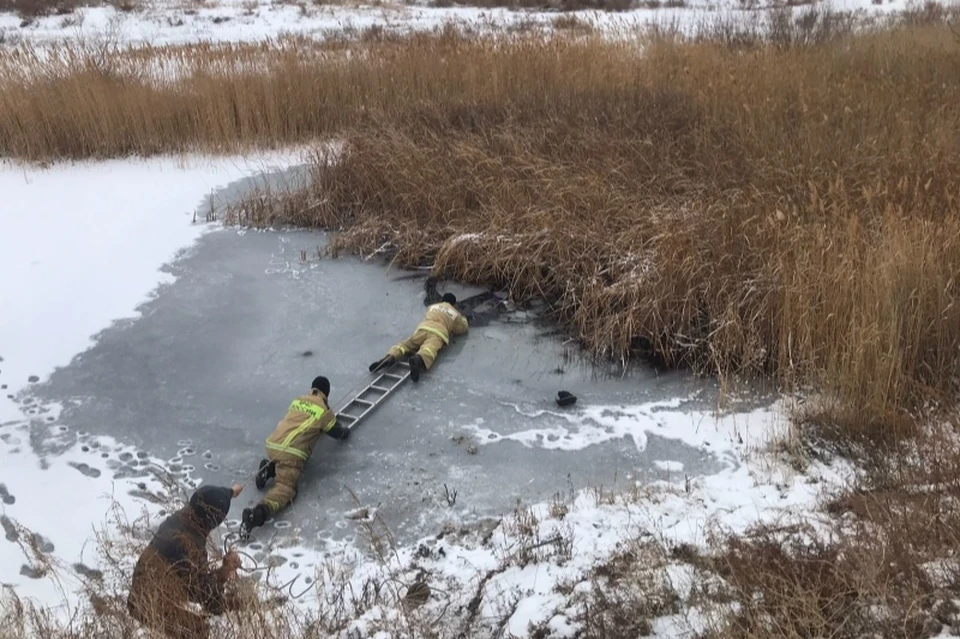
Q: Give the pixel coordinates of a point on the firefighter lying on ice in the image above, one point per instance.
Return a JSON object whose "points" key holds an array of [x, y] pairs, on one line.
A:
{"points": [[289, 447], [432, 334], [173, 570]]}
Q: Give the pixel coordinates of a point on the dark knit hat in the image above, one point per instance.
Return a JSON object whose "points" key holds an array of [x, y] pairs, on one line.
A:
{"points": [[211, 505], [322, 384]]}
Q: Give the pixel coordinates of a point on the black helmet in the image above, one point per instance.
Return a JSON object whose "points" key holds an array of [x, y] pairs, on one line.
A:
{"points": [[449, 298]]}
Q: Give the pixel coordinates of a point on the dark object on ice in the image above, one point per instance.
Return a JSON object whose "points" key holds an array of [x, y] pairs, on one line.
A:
{"points": [[33, 378], [566, 399]]}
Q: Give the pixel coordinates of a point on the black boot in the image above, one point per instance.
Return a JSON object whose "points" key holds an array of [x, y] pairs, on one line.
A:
{"points": [[267, 471], [386, 362], [416, 367], [253, 518]]}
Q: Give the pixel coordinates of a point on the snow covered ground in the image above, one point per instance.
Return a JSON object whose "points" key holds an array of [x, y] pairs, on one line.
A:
{"points": [[176, 22]]}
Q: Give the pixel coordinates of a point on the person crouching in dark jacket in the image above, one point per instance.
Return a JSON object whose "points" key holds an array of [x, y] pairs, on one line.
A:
{"points": [[173, 569]]}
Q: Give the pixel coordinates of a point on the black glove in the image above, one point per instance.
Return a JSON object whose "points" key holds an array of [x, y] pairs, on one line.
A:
{"points": [[339, 432]]}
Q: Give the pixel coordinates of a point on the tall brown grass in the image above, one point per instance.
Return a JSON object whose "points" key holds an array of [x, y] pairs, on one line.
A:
{"points": [[784, 210], [778, 200]]}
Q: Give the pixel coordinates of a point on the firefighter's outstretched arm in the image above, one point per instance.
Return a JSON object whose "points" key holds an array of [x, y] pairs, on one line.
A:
{"points": [[337, 430]]}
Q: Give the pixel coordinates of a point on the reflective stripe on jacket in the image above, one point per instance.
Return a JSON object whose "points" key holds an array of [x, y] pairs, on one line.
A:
{"points": [[308, 417], [443, 320]]}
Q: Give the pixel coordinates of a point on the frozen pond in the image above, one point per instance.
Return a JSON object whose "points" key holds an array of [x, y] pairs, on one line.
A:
{"points": [[209, 369]]}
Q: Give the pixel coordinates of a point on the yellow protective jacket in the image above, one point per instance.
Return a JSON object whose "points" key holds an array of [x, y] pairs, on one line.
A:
{"points": [[308, 417], [444, 320]]}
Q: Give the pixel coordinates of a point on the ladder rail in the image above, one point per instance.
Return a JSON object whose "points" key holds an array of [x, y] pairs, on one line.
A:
{"points": [[385, 383]]}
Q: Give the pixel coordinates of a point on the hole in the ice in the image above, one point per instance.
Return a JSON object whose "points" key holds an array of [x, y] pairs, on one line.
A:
{"points": [[188, 468], [207, 454], [105, 455], [82, 433], [175, 460], [85, 449], [308, 580], [298, 555], [175, 468], [142, 486], [255, 546], [63, 428], [126, 456], [51, 418], [86, 469], [492, 436], [94, 444], [187, 451], [280, 525], [213, 467], [141, 454], [294, 565]]}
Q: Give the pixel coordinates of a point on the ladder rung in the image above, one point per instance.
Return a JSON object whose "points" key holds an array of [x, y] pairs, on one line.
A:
{"points": [[379, 388], [362, 401], [392, 376]]}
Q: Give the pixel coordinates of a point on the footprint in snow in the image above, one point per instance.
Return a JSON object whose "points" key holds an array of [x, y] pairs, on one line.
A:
{"points": [[44, 544], [86, 470], [9, 529], [89, 573], [32, 573]]}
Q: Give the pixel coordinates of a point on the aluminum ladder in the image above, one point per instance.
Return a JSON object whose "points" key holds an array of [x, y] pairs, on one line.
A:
{"points": [[373, 394]]}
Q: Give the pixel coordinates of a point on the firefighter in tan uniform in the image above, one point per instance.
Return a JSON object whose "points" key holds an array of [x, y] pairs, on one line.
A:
{"points": [[289, 447], [433, 333]]}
